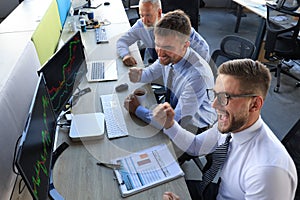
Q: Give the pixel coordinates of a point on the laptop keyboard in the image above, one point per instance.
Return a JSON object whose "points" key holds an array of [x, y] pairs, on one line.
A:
{"points": [[114, 120], [97, 70]]}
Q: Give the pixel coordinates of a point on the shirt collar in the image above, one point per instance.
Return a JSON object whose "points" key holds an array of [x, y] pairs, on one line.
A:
{"points": [[182, 62], [247, 134]]}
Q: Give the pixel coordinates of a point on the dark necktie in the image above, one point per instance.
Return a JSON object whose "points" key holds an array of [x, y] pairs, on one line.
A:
{"points": [[169, 84], [218, 159]]}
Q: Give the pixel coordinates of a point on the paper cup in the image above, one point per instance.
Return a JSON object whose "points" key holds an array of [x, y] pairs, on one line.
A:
{"points": [[141, 95]]}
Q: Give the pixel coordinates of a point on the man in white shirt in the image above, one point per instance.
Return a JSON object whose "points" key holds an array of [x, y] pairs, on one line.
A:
{"points": [[257, 165], [151, 12]]}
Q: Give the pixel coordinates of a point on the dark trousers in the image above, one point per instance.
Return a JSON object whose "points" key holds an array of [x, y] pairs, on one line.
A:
{"points": [[210, 192]]}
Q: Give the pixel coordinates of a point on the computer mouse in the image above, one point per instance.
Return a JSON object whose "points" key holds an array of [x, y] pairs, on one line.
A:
{"points": [[121, 87], [106, 3]]}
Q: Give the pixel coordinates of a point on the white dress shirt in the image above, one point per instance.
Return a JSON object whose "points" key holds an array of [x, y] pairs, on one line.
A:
{"points": [[257, 166]]}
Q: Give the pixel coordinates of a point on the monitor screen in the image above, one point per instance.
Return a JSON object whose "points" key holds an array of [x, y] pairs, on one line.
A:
{"points": [[34, 154], [64, 71]]}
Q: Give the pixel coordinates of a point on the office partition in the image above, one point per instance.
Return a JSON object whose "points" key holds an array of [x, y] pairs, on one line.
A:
{"points": [[47, 34]]}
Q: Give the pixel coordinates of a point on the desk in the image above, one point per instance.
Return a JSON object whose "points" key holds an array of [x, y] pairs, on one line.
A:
{"points": [[25, 17], [75, 174], [258, 7]]}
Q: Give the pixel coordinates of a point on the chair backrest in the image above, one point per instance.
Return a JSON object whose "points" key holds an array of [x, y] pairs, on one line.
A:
{"points": [[190, 7], [132, 10], [291, 143], [46, 35], [231, 47], [63, 9], [282, 29]]}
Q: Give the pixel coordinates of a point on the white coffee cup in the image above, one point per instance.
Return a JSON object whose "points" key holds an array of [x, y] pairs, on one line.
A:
{"points": [[141, 95]]}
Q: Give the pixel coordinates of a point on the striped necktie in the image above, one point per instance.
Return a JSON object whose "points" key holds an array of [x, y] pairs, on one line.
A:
{"points": [[218, 159], [169, 84]]}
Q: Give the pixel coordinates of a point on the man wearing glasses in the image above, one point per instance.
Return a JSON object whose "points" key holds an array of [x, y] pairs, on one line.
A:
{"points": [[257, 165]]}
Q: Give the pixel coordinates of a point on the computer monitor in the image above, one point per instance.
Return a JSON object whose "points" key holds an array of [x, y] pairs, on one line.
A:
{"points": [[34, 155], [64, 71]]}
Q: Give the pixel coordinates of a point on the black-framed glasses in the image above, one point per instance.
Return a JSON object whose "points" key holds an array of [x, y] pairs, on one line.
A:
{"points": [[223, 97]]}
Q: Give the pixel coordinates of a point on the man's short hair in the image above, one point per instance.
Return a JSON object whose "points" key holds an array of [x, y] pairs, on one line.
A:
{"points": [[174, 23], [254, 76]]}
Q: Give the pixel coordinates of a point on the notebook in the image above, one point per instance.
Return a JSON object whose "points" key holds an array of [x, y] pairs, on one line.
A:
{"points": [[102, 70]]}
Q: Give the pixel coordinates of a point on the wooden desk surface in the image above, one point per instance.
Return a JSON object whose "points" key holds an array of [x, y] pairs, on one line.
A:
{"points": [[76, 175]]}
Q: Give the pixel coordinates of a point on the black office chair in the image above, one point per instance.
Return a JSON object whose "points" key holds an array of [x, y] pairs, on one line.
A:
{"points": [[291, 143], [231, 47], [190, 7], [132, 10], [282, 42]]}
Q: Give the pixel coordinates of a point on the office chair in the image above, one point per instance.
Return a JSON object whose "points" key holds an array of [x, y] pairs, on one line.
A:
{"points": [[231, 47], [282, 42], [190, 7], [291, 143], [132, 10]]}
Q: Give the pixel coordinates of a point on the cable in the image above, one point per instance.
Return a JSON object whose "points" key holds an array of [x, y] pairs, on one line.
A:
{"points": [[21, 189], [14, 158]]}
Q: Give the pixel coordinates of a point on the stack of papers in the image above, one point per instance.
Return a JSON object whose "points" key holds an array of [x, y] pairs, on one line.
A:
{"points": [[145, 169]]}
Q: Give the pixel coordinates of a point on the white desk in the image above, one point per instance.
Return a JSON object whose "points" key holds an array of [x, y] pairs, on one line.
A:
{"points": [[258, 7], [114, 12], [25, 17]]}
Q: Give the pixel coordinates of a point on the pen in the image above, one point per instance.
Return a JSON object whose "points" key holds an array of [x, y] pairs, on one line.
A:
{"points": [[109, 165]]}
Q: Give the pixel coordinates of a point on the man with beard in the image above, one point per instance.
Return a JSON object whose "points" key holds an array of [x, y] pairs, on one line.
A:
{"points": [[150, 12], [191, 75], [257, 164]]}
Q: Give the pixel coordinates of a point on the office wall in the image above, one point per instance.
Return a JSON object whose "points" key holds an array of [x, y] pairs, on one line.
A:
{"points": [[7, 6]]}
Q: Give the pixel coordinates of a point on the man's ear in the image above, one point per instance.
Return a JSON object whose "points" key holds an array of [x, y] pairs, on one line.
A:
{"points": [[159, 13], [187, 44], [256, 104]]}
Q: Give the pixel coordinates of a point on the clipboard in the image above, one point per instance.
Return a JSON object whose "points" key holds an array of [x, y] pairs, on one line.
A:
{"points": [[146, 169]]}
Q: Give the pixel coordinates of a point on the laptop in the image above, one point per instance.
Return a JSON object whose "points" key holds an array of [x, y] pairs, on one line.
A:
{"points": [[102, 70]]}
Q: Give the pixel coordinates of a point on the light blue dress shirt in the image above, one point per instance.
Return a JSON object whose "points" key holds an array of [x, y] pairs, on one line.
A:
{"points": [[146, 35], [192, 76]]}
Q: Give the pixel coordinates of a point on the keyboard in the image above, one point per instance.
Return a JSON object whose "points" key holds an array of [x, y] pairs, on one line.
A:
{"points": [[101, 36], [115, 123], [97, 70]]}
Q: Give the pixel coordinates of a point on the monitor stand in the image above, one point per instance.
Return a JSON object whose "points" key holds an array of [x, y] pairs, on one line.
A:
{"points": [[53, 193], [92, 4]]}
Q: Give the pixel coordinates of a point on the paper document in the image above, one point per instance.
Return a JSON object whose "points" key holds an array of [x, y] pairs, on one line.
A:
{"points": [[145, 169]]}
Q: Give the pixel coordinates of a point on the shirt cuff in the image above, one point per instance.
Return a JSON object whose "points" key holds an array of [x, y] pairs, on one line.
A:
{"points": [[172, 131], [143, 113]]}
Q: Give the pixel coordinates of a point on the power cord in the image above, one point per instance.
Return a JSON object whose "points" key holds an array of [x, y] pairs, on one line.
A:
{"points": [[14, 158]]}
